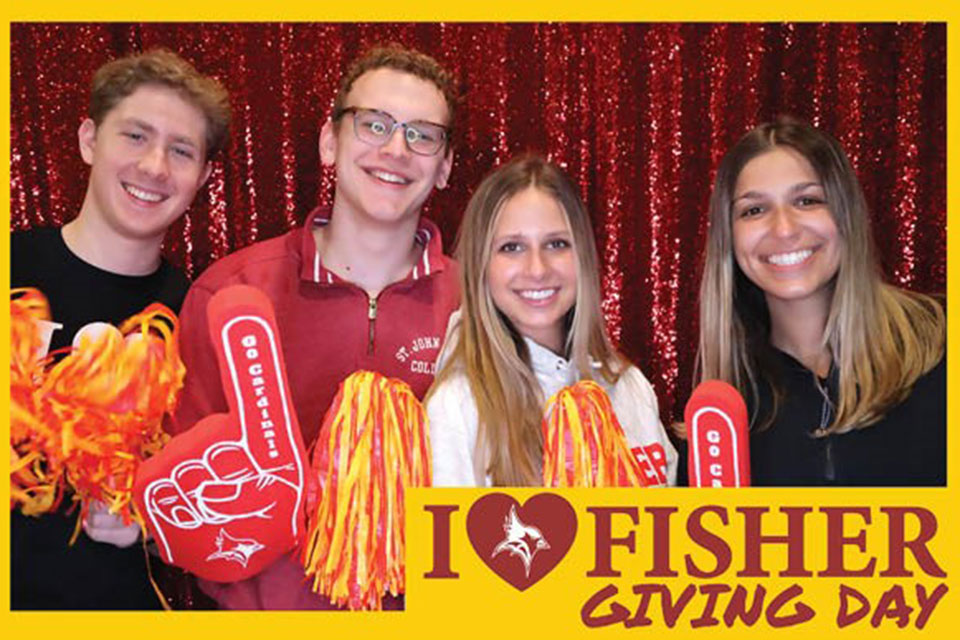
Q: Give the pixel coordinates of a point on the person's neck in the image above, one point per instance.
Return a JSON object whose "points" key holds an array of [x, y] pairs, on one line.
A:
{"points": [[367, 253], [796, 328], [97, 244], [554, 342]]}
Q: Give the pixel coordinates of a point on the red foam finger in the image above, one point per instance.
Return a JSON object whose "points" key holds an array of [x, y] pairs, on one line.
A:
{"points": [[240, 476], [717, 430]]}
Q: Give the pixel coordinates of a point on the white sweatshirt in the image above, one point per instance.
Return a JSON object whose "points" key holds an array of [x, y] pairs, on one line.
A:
{"points": [[458, 460]]}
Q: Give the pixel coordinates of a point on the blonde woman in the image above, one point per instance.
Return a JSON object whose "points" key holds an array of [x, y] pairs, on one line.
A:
{"points": [[844, 375], [530, 324]]}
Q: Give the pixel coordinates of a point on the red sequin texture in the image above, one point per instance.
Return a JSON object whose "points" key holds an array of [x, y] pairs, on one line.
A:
{"points": [[639, 115]]}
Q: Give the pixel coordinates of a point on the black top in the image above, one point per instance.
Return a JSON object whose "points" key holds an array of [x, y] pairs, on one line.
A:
{"points": [[907, 447], [80, 293], [46, 573]]}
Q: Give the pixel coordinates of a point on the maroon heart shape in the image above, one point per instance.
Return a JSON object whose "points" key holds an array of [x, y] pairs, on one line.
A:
{"points": [[521, 543]]}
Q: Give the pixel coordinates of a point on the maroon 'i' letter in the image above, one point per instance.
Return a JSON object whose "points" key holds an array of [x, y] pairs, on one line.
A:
{"points": [[441, 540]]}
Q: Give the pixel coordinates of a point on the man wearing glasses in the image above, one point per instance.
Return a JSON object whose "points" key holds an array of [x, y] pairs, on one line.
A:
{"points": [[362, 286]]}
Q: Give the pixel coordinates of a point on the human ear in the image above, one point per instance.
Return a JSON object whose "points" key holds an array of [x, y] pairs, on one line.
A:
{"points": [[87, 137], [328, 144], [443, 175]]}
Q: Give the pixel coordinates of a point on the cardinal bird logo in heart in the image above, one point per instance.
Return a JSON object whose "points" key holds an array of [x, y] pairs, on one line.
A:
{"points": [[521, 543]]}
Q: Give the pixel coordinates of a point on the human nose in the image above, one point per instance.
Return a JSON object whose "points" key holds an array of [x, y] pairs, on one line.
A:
{"points": [[154, 162], [396, 145], [536, 263], [784, 221]]}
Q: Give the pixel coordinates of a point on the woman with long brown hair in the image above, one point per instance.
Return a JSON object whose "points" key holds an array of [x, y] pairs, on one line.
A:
{"points": [[844, 374], [530, 324]]}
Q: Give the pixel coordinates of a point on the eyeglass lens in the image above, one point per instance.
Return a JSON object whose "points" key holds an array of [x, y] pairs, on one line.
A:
{"points": [[377, 127]]}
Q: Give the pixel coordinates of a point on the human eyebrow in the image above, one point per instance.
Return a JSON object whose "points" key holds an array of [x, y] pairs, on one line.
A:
{"points": [[749, 195], [373, 111], [803, 186], [140, 124], [429, 122], [184, 140], [149, 128], [510, 237]]}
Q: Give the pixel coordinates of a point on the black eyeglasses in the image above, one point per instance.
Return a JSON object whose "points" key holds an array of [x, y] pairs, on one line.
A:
{"points": [[376, 127]]}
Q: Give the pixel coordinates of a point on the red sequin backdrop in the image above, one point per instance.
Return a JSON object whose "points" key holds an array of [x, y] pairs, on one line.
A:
{"points": [[638, 114]]}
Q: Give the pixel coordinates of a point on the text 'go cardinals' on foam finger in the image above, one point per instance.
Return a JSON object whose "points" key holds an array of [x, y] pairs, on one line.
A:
{"points": [[226, 498]]}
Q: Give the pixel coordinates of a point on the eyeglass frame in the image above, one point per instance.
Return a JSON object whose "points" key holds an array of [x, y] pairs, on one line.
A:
{"points": [[337, 115]]}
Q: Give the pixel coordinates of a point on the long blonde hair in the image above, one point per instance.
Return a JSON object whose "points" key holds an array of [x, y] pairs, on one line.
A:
{"points": [[492, 353], [882, 337]]}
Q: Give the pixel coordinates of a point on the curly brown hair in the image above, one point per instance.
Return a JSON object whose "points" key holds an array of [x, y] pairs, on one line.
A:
{"points": [[399, 58]]}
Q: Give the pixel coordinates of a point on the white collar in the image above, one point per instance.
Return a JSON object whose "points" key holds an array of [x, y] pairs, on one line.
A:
{"points": [[545, 363]]}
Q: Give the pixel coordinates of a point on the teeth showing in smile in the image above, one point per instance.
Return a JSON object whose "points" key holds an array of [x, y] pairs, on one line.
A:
{"points": [[140, 194], [537, 294], [389, 177], [788, 259]]}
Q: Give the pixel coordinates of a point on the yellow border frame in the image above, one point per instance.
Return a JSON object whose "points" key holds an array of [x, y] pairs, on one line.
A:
{"points": [[194, 624]]}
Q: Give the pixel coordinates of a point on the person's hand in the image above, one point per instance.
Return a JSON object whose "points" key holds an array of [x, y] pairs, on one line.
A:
{"points": [[102, 526], [224, 499]]}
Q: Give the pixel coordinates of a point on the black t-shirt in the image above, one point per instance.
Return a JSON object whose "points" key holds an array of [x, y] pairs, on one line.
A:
{"points": [[80, 293], [47, 573]]}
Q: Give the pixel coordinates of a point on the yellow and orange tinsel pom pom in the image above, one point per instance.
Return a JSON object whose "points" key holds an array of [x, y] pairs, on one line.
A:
{"points": [[374, 442], [82, 423], [35, 483], [584, 444]]}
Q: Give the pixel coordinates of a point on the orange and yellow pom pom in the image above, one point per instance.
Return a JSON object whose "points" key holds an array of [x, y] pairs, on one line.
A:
{"points": [[374, 442], [584, 444], [35, 486], [82, 423]]}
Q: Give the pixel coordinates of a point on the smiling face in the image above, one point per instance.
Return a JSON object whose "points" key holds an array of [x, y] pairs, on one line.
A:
{"points": [[147, 160], [785, 238], [532, 272], [389, 183]]}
